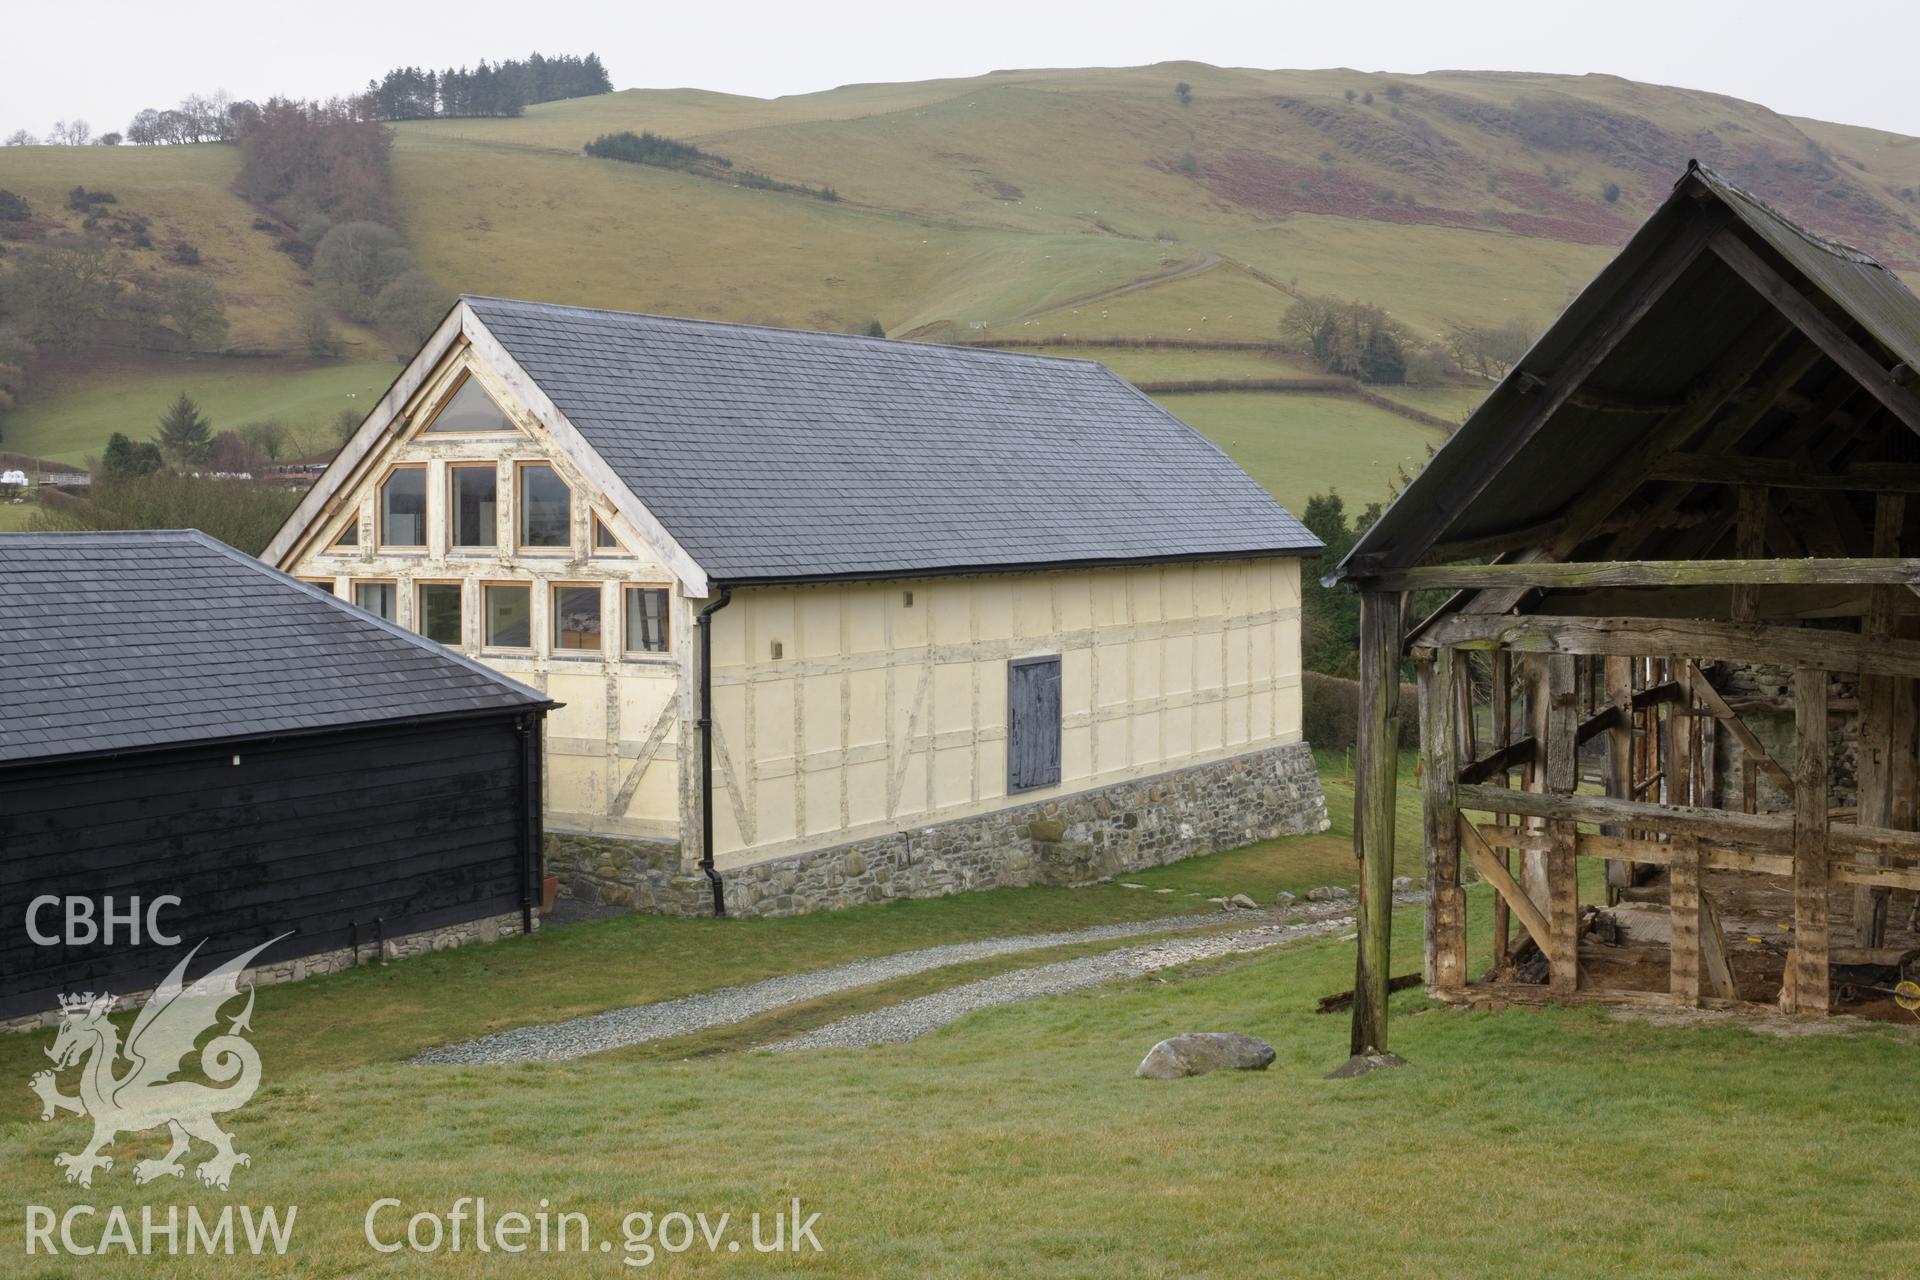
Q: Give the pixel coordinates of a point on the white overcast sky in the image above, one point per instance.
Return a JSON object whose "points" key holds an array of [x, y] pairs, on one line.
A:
{"points": [[1854, 61]]}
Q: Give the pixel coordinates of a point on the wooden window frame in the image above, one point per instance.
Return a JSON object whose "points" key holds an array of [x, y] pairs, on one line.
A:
{"points": [[520, 546], [380, 512], [353, 594], [486, 642], [619, 548], [1056, 661], [419, 614], [459, 384], [325, 584], [554, 647], [453, 507], [666, 621], [336, 543]]}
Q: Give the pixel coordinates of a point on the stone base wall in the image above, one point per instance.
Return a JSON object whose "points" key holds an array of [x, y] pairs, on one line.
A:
{"points": [[1067, 840], [647, 875], [491, 929]]}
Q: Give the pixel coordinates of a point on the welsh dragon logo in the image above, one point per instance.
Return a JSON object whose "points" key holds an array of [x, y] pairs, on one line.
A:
{"points": [[144, 1095]]}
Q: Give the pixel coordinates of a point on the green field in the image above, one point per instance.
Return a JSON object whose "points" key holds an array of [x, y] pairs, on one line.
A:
{"points": [[68, 419], [1300, 445], [1017, 1140]]}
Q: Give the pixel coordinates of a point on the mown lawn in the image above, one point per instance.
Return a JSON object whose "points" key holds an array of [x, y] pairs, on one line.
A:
{"points": [[1017, 1141]]}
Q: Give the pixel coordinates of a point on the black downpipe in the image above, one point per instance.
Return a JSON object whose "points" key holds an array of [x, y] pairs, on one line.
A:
{"points": [[706, 748], [530, 806]]}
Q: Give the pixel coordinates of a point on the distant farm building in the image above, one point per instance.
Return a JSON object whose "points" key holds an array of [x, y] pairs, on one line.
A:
{"points": [[973, 618], [178, 720], [1680, 538]]}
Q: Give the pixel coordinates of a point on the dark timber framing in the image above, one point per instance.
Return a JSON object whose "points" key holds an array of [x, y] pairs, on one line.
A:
{"points": [[1710, 461]]}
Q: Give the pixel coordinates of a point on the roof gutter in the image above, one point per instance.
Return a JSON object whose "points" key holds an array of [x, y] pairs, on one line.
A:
{"points": [[1301, 551], [704, 626]]}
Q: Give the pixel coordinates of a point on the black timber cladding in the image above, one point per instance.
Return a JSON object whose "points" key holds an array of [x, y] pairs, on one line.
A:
{"points": [[178, 719], [131, 641], [1688, 332], [343, 838], [775, 454]]}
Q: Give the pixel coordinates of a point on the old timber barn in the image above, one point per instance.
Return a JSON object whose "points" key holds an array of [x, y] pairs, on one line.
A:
{"points": [[1682, 640]]}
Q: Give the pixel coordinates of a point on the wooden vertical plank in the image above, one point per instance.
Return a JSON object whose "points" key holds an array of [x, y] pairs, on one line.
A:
{"points": [[1376, 766], [1502, 737], [1683, 911], [1561, 778], [1808, 969], [1619, 691], [1446, 966], [1906, 767], [1715, 967]]}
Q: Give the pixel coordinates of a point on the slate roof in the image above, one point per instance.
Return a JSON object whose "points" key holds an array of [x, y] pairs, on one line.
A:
{"points": [[131, 641], [778, 454]]}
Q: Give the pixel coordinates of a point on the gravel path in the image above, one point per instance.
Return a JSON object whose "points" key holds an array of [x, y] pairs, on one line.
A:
{"points": [[912, 1018], [619, 1028]]}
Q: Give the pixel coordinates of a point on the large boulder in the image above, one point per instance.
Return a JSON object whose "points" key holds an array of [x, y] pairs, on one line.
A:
{"points": [[1199, 1052]]}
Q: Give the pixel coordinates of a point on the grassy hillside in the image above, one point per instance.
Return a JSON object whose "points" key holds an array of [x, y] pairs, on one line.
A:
{"points": [[1040, 204], [72, 413]]}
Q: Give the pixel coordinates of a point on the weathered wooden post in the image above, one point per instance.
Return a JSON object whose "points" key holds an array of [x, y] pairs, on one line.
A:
{"points": [[1560, 747], [1877, 717], [1807, 987], [1376, 765], [1441, 678], [1619, 681]]}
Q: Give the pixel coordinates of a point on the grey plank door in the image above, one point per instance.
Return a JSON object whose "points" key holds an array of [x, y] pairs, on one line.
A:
{"points": [[1033, 723]]}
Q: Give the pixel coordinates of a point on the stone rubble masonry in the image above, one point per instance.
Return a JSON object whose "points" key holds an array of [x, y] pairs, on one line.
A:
{"points": [[490, 929], [1065, 840]]}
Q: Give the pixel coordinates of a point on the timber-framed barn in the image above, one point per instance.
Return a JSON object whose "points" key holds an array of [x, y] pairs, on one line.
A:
{"points": [[1659, 596], [831, 619]]}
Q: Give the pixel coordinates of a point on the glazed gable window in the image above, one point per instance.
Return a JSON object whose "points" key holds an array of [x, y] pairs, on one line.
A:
{"points": [[377, 598], [403, 507], [576, 618], [508, 615], [436, 612], [604, 541], [473, 493], [646, 628], [546, 507], [470, 411]]}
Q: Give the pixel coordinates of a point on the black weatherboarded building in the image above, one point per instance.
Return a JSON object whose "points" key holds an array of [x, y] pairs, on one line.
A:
{"points": [[178, 719]]}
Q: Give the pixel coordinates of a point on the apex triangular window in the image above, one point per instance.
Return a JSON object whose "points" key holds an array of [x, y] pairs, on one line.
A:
{"points": [[470, 411], [605, 542], [349, 535]]}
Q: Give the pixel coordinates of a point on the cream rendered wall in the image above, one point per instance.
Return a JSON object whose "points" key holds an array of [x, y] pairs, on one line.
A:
{"points": [[613, 751], [879, 714]]}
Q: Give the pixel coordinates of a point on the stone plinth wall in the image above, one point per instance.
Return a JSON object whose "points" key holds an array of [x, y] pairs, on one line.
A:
{"points": [[1065, 840]]}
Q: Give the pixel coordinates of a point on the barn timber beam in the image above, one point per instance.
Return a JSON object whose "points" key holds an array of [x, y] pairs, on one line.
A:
{"points": [[1719, 439], [1880, 382], [1524, 751], [1732, 376], [1787, 473], [1680, 638], [1545, 393], [1558, 576]]}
